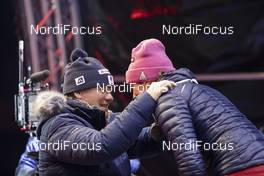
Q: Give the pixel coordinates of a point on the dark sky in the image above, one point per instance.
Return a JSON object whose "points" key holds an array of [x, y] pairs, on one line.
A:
{"points": [[12, 140]]}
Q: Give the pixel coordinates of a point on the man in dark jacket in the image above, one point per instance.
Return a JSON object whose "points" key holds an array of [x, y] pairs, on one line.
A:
{"points": [[74, 136], [201, 125]]}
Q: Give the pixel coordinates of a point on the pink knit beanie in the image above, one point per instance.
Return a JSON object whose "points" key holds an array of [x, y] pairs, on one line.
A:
{"points": [[148, 59]]}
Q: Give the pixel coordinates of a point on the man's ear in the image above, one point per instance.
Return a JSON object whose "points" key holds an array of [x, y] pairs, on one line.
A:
{"points": [[77, 95]]}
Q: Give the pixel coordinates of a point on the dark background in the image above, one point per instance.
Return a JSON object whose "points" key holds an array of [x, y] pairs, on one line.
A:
{"points": [[238, 53], [12, 140]]}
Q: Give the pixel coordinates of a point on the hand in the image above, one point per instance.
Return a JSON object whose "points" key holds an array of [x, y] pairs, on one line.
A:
{"points": [[157, 88], [156, 133]]}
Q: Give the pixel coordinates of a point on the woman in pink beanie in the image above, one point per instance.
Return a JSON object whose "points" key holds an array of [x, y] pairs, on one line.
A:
{"points": [[148, 59], [196, 114]]}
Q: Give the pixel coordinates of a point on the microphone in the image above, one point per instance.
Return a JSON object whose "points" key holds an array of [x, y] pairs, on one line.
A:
{"points": [[20, 60], [39, 76]]}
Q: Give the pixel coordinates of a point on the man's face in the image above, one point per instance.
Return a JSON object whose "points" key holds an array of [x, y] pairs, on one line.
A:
{"points": [[95, 97], [140, 88]]}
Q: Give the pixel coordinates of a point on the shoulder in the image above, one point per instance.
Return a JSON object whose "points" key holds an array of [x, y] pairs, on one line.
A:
{"points": [[62, 122], [181, 91], [64, 119]]}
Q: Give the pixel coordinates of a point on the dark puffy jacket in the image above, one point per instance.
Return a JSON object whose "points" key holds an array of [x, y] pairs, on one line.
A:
{"points": [[196, 114], [76, 123]]}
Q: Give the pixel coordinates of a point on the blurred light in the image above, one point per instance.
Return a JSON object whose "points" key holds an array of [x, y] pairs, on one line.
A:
{"points": [[139, 13]]}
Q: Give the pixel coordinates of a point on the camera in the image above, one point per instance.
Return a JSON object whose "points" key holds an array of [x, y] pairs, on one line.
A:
{"points": [[28, 90], [24, 105]]}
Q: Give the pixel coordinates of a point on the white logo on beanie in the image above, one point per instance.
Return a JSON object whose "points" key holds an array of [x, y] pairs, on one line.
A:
{"points": [[79, 80], [110, 80], [103, 71], [142, 77]]}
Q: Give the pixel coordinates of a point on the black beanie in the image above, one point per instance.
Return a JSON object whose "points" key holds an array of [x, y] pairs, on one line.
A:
{"points": [[84, 72]]}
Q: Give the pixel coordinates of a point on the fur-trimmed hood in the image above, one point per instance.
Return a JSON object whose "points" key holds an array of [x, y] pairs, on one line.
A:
{"points": [[48, 104]]}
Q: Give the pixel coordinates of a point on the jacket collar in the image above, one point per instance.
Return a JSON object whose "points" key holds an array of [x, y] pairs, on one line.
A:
{"points": [[92, 115], [178, 75]]}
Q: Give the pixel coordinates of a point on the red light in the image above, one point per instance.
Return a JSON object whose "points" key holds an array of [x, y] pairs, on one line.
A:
{"points": [[138, 13]]}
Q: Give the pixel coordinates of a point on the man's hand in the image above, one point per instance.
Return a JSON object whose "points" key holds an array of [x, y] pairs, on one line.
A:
{"points": [[157, 88]]}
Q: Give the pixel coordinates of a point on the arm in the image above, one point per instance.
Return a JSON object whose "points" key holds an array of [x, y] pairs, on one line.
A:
{"points": [[28, 164], [175, 119], [148, 143], [145, 145], [115, 138]]}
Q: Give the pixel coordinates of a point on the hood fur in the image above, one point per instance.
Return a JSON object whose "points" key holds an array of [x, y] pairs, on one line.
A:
{"points": [[48, 104]]}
